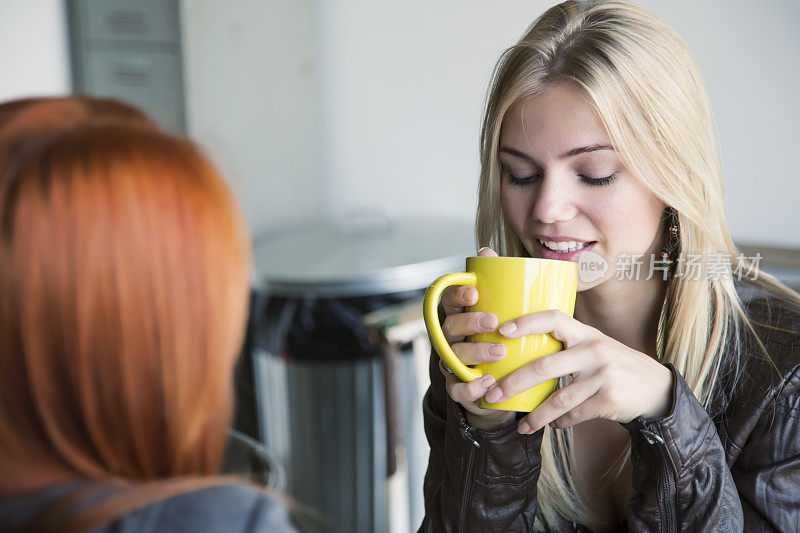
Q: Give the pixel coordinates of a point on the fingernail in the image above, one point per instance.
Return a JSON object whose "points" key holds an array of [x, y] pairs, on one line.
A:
{"points": [[494, 395], [467, 295], [487, 381], [507, 329], [523, 427], [488, 322], [497, 350], [482, 249]]}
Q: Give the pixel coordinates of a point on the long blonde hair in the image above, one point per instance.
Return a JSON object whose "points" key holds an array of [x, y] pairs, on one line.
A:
{"points": [[647, 89]]}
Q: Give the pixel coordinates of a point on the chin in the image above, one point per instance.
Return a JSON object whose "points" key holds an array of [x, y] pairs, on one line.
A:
{"points": [[584, 286]]}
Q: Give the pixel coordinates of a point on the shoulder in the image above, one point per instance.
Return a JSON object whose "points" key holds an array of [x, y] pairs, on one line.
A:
{"points": [[228, 508], [776, 322], [764, 404], [16, 511]]}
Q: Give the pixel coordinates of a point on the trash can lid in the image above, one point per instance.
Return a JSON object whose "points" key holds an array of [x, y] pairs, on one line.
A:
{"points": [[361, 258]]}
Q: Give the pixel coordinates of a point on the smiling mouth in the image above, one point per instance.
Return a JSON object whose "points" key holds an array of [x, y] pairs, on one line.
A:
{"points": [[564, 246]]}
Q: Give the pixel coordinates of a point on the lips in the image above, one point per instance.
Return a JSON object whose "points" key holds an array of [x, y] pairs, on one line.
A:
{"points": [[573, 256]]}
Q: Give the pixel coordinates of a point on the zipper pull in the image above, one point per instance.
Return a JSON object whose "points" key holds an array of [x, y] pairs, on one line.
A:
{"points": [[651, 437], [468, 436]]}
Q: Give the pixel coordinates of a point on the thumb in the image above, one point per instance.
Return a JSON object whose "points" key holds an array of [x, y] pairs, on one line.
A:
{"points": [[487, 252]]}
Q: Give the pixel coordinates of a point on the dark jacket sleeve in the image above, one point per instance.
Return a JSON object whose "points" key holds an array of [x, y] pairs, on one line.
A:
{"points": [[680, 476], [476, 480], [767, 470]]}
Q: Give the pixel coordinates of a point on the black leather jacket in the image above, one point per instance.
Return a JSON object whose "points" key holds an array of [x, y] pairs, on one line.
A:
{"points": [[735, 467]]}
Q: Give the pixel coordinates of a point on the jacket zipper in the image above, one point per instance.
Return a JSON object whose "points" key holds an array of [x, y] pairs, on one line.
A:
{"points": [[466, 485], [666, 484]]}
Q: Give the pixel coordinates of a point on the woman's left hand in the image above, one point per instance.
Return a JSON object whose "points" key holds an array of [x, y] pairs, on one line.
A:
{"points": [[610, 380]]}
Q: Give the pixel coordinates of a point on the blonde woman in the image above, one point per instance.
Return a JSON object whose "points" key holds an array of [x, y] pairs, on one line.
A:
{"points": [[679, 398]]}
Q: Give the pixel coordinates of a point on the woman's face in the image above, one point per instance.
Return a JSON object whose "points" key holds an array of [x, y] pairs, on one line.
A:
{"points": [[562, 181]]}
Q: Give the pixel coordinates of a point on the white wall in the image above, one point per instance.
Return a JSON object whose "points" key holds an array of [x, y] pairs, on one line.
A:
{"points": [[402, 87], [315, 107], [34, 56], [251, 93]]}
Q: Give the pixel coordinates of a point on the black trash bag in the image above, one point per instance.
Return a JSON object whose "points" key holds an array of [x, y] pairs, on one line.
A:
{"points": [[304, 329]]}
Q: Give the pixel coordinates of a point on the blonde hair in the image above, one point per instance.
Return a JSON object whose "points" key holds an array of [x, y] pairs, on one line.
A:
{"points": [[648, 91]]}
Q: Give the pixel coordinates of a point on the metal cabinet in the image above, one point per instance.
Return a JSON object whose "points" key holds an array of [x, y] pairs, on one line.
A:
{"points": [[130, 51]]}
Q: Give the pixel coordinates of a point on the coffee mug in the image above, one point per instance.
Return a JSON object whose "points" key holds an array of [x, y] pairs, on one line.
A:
{"points": [[509, 287]]}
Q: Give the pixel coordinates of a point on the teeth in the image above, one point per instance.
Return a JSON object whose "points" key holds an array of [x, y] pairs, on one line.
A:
{"points": [[564, 246]]}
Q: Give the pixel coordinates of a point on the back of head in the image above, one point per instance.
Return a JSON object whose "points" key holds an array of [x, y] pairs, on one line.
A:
{"points": [[123, 286], [27, 116]]}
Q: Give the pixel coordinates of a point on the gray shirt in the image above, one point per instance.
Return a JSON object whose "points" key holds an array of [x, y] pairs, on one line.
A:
{"points": [[223, 509]]}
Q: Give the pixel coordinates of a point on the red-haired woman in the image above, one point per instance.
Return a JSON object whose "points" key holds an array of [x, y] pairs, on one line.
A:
{"points": [[123, 290]]}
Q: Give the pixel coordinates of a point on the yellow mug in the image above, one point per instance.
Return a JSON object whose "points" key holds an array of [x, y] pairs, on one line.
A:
{"points": [[509, 287]]}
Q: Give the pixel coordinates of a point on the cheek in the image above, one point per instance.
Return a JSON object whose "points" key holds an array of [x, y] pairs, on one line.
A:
{"points": [[516, 206], [631, 219]]}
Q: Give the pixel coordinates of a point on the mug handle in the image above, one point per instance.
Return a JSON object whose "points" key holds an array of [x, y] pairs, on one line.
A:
{"points": [[430, 312]]}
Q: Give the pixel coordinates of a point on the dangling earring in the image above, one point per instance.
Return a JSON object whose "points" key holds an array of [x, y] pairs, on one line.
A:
{"points": [[671, 242]]}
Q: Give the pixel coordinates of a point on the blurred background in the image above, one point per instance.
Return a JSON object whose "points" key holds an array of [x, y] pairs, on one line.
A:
{"points": [[349, 131]]}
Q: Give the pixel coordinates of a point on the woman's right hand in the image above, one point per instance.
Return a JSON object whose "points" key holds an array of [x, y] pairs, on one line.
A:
{"points": [[457, 325]]}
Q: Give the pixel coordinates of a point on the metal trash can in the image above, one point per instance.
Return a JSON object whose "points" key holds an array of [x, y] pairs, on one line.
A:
{"points": [[324, 382]]}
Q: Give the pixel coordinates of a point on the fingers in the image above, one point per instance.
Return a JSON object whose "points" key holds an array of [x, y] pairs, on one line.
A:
{"points": [[574, 361], [588, 410], [456, 297], [466, 393], [473, 353], [557, 323], [565, 407], [458, 326]]}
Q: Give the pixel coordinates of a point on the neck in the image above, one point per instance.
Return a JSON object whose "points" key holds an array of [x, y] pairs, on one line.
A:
{"points": [[627, 311]]}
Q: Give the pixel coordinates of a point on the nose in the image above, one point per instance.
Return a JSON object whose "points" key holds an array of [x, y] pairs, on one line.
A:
{"points": [[553, 201]]}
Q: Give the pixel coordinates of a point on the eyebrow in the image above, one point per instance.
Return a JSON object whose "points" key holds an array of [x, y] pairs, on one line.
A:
{"points": [[570, 153]]}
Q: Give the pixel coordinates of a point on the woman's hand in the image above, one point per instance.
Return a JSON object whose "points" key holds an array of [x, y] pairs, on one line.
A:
{"points": [[456, 327], [610, 380]]}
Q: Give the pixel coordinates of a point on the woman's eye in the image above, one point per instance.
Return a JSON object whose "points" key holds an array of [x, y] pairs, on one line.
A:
{"points": [[526, 180], [589, 180], [598, 181]]}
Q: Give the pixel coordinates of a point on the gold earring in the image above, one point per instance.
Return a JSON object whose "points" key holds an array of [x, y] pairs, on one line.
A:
{"points": [[671, 242]]}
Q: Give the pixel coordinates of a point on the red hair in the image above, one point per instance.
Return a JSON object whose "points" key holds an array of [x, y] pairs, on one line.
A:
{"points": [[124, 265], [27, 116]]}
